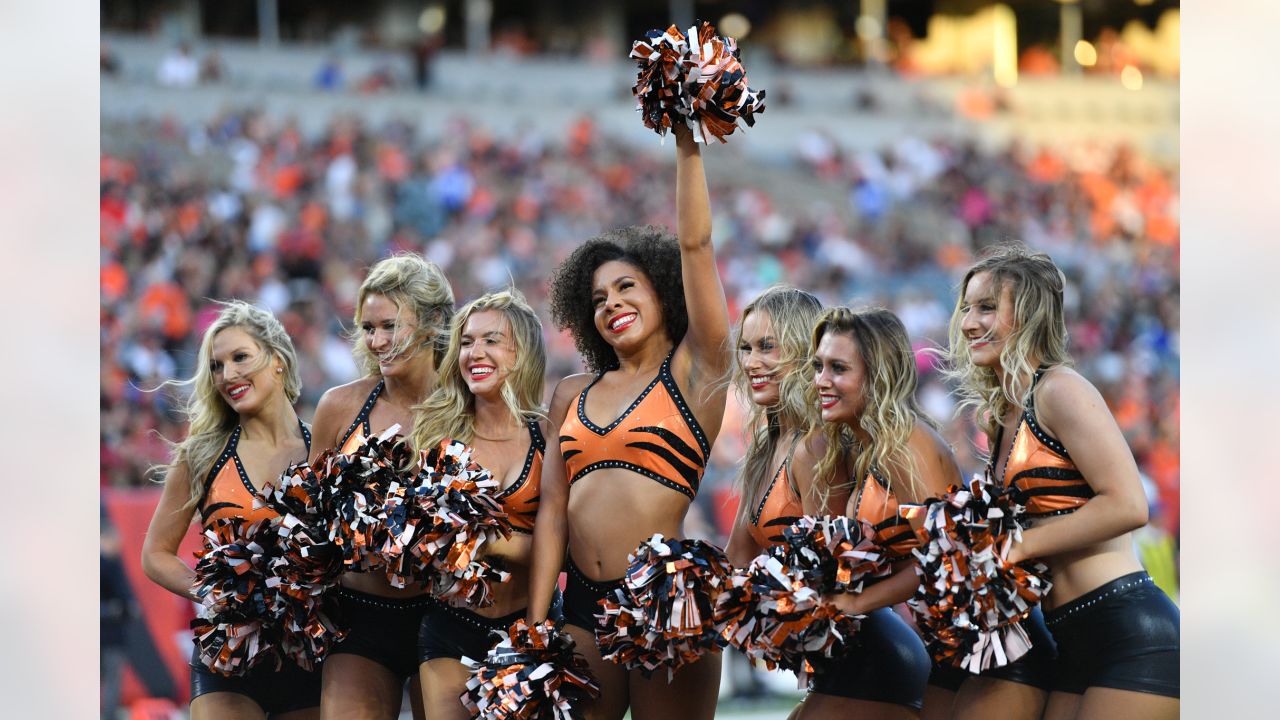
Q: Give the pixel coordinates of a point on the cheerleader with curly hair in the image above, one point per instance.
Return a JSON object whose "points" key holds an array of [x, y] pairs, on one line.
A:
{"points": [[648, 314]]}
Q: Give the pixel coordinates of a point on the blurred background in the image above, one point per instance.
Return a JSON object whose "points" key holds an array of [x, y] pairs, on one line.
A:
{"points": [[272, 150]]}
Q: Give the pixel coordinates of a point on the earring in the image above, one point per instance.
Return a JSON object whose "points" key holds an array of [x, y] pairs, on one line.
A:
{"points": [[279, 369]]}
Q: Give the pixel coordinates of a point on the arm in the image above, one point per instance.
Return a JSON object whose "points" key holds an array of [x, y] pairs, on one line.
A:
{"points": [[707, 339], [168, 526], [1071, 409], [936, 469], [327, 424], [551, 527], [742, 547]]}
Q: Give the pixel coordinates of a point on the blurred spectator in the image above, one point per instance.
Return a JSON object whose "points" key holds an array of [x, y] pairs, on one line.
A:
{"points": [[109, 62], [178, 68], [213, 69], [329, 76], [422, 53], [117, 609]]}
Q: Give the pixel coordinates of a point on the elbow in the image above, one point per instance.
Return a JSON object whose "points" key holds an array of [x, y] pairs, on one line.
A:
{"points": [[1135, 512], [149, 565]]}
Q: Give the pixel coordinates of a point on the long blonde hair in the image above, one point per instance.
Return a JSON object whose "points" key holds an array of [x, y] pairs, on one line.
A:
{"points": [[449, 412], [210, 420], [792, 313], [1038, 337], [412, 282], [889, 410]]}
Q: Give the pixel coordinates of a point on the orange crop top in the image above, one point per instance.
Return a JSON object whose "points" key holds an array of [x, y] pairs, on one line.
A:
{"points": [[776, 510], [520, 499], [360, 429], [1038, 469], [657, 437], [228, 492], [878, 505]]}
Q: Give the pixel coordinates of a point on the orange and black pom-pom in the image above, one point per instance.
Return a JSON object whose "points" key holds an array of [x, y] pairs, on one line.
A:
{"points": [[663, 615], [695, 79], [531, 673], [970, 603], [773, 609]]}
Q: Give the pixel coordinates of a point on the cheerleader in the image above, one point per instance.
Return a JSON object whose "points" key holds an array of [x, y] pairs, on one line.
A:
{"points": [[489, 397], [243, 433], [1055, 444], [776, 485], [403, 310], [865, 377], [634, 436]]}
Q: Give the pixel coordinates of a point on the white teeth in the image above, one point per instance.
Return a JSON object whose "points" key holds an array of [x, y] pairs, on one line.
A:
{"points": [[480, 372], [620, 320]]}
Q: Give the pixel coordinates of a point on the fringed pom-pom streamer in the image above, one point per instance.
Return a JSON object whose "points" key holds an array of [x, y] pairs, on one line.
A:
{"points": [[239, 624], [699, 83], [531, 673], [456, 501], [663, 616], [970, 603], [773, 609]]}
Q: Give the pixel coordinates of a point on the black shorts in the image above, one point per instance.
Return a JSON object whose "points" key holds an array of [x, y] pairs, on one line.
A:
{"points": [[276, 691], [582, 597], [1036, 668], [886, 662], [451, 632], [1123, 635], [385, 630]]}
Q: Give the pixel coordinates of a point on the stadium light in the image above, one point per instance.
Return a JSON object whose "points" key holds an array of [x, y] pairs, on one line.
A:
{"points": [[1085, 53]]}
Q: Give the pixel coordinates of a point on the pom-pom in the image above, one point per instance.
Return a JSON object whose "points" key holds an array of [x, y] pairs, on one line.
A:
{"points": [[663, 615], [456, 512], [532, 673], [773, 609], [970, 603], [697, 80], [239, 624], [306, 562]]}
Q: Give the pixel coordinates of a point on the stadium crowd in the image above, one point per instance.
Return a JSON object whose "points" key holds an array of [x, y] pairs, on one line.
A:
{"points": [[248, 207]]}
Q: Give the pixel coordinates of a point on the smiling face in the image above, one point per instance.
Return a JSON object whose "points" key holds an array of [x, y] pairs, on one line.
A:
{"points": [[627, 310], [388, 334], [759, 354], [486, 353], [986, 318], [839, 375], [244, 379]]}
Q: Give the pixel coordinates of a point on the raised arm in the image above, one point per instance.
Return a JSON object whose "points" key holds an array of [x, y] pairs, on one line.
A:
{"points": [[551, 527], [1071, 409], [707, 340], [169, 525]]}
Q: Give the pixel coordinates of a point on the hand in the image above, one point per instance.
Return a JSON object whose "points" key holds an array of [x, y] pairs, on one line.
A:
{"points": [[1015, 554], [847, 603]]}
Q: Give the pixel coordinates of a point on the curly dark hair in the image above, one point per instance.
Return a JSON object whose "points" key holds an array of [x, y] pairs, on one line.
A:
{"points": [[651, 249]]}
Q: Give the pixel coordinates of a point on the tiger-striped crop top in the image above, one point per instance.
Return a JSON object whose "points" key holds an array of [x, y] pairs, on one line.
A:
{"points": [[657, 437], [1039, 470], [878, 505], [777, 509], [228, 492], [520, 498], [359, 429]]}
